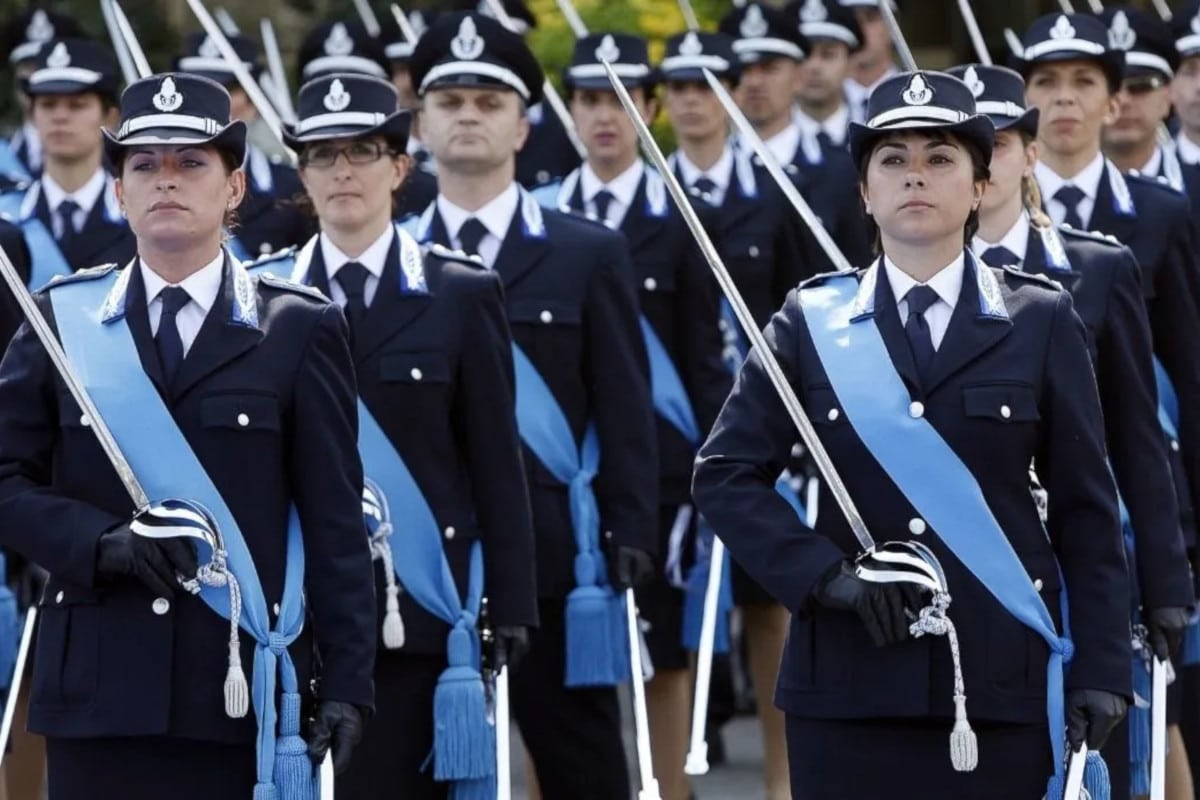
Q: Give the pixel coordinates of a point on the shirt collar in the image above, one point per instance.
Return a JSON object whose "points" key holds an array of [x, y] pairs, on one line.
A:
{"points": [[1015, 241], [855, 91], [374, 258], [719, 173], [496, 215], [1154, 165], [947, 283], [1087, 181], [834, 126], [1188, 151], [784, 144], [86, 196], [623, 187], [202, 286]]}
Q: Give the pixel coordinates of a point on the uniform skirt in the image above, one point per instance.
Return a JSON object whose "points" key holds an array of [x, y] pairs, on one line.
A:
{"points": [[149, 768], [910, 760]]}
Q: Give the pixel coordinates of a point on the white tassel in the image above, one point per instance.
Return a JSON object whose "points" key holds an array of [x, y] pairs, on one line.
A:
{"points": [[393, 625], [237, 692], [964, 746]]}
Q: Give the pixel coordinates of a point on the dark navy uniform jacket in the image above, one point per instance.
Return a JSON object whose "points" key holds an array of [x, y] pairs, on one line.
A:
{"points": [[1033, 365], [415, 194], [678, 297], [1159, 233], [436, 372], [548, 154], [269, 218], [569, 295], [1105, 284], [270, 412], [14, 245]]}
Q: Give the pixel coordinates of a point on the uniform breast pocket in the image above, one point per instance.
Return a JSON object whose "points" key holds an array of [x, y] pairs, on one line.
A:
{"points": [[552, 328], [68, 648], [656, 278], [258, 413], [753, 248], [823, 407], [1005, 403], [416, 369]]}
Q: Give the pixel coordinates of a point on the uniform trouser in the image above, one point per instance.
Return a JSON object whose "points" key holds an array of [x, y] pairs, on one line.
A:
{"points": [[398, 738], [149, 768], [573, 735]]}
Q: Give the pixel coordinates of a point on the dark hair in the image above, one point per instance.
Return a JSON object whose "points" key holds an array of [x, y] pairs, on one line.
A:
{"points": [[980, 166]]}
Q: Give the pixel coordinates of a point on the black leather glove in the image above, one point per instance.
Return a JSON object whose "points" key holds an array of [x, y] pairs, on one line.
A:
{"points": [[154, 562], [634, 567], [512, 643], [334, 725], [880, 606], [1091, 716], [1165, 628]]}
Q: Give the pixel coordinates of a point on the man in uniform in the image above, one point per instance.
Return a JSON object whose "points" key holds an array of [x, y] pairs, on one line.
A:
{"points": [[337, 46], [581, 369], [771, 50], [70, 215], [1185, 88], [268, 218], [875, 62], [834, 36]]}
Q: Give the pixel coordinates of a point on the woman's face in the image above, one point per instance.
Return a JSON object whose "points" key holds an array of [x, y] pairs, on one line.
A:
{"points": [[1012, 160], [175, 195], [351, 181], [920, 187]]}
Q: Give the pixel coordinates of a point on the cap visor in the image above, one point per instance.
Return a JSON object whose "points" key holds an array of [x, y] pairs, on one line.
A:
{"points": [[977, 129]]}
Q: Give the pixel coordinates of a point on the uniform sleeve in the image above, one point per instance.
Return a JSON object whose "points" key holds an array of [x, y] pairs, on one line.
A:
{"points": [[46, 527], [734, 484], [618, 373], [485, 414], [1125, 378], [327, 480], [13, 242], [1083, 522]]}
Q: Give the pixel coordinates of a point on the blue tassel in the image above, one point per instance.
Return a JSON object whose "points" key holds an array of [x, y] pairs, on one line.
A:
{"points": [[295, 775], [1095, 777], [482, 789], [1055, 787], [1139, 731], [592, 652], [464, 741], [265, 791]]}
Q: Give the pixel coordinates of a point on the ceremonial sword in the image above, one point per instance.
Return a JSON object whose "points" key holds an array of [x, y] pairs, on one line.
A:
{"points": [[689, 15], [14, 688], [276, 72], [893, 25], [369, 20], [574, 21], [134, 49], [128, 68], [406, 28], [968, 15]]}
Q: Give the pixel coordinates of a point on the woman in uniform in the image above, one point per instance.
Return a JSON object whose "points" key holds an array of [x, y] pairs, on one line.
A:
{"points": [[933, 381], [438, 437]]}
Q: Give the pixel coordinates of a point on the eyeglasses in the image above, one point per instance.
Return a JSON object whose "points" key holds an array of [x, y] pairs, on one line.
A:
{"points": [[323, 155], [1143, 85]]}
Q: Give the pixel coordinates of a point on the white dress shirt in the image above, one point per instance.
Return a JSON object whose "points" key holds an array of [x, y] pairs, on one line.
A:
{"points": [[1088, 181], [496, 216], [623, 188], [1016, 240], [719, 173], [1187, 150], [947, 283], [1154, 166], [784, 144], [835, 126], [85, 197], [858, 95], [202, 287], [374, 259]]}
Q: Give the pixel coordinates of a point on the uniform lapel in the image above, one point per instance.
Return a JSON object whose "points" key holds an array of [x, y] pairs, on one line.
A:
{"points": [[1035, 254], [520, 251], [638, 225], [970, 333], [391, 309], [1105, 217], [221, 338], [137, 316], [96, 236], [891, 328]]}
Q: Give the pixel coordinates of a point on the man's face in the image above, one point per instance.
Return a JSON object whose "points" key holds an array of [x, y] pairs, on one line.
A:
{"points": [[240, 106], [68, 125], [1185, 93], [1142, 104], [694, 110], [1012, 159], [823, 72], [767, 88], [877, 41], [473, 129], [1075, 104], [402, 80], [605, 128]]}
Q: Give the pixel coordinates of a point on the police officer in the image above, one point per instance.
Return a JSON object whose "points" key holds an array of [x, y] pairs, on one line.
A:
{"points": [[236, 397], [269, 218], [433, 356], [1105, 282], [930, 368], [771, 50], [875, 62], [584, 405], [679, 304], [834, 36], [24, 35], [1185, 87], [338, 46], [70, 215]]}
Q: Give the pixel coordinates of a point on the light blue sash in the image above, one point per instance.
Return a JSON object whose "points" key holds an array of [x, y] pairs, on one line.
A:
{"points": [[10, 164], [670, 397], [101, 349], [1168, 401], [47, 260], [876, 402]]}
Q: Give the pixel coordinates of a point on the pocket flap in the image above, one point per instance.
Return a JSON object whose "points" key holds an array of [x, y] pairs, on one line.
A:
{"points": [[1007, 402], [246, 412], [536, 311], [430, 367]]}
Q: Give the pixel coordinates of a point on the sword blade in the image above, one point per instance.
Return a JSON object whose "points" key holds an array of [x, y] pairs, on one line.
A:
{"points": [[14, 688], [135, 48], [968, 15], [573, 19], [697, 757], [327, 778], [128, 68], [689, 15], [279, 81], [1066, 6], [369, 20], [1163, 9], [503, 748], [1014, 42], [406, 28], [227, 22], [1158, 730], [1074, 787], [787, 394], [893, 24], [641, 719]]}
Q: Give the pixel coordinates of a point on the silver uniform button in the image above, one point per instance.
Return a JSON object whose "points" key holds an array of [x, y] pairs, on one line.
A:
{"points": [[265, 248], [416, 373], [542, 176], [1037, 584], [1005, 412], [243, 419], [85, 420], [608, 534], [58, 598], [1174, 446], [833, 415], [160, 606], [917, 526], [916, 409], [276, 607], [546, 317], [753, 251], [650, 284], [449, 532]]}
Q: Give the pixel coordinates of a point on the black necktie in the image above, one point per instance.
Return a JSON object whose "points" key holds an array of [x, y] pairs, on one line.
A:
{"points": [[602, 200], [470, 235], [66, 217], [352, 277], [919, 299], [1070, 196], [703, 187], [825, 140], [167, 341], [1000, 256]]}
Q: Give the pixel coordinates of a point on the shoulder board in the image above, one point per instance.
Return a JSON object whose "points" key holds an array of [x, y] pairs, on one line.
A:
{"points": [[278, 255], [291, 286], [89, 274], [1030, 277], [1157, 181], [1091, 236], [817, 280], [459, 256]]}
